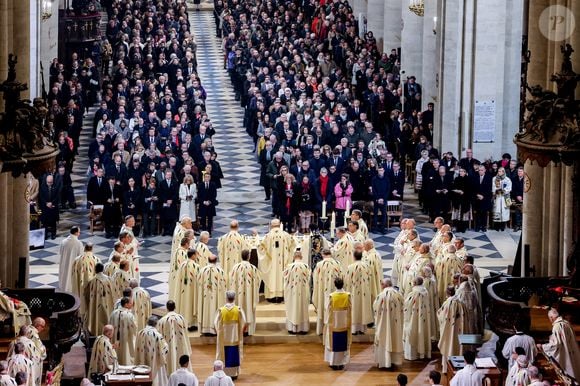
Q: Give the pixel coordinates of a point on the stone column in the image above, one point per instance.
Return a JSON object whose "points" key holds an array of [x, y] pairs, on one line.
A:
{"points": [[411, 44], [376, 20], [531, 227], [393, 23], [430, 54]]}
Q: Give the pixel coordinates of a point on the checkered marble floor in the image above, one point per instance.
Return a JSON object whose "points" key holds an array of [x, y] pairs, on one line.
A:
{"points": [[240, 198]]}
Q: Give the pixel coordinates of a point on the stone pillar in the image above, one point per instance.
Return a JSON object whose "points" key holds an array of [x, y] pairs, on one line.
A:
{"points": [[430, 55], [533, 200], [393, 23], [411, 44], [376, 20]]}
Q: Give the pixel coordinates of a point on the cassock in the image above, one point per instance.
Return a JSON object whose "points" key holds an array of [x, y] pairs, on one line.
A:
{"points": [[203, 254], [563, 347], [229, 248], [276, 251], [229, 323], [103, 355], [245, 280], [187, 292], [323, 285], [452, 319], [388, 343], [445, 267], [173, 328], [19, 362], [32, 353], [70, 248], [178, 258], [152, 351], [120, 280], [467, 376], [15, 309], [141, 306], [474, 319], [337, 336], [417, 326], [212, 293], [375, 263], [519, 340], [297, 296], [343, 251], [99, 301], [183, 376], [125, 332], [357, 282], [83, 272]]}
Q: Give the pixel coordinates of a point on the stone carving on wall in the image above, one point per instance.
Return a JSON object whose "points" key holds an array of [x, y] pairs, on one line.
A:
{"points": [[25, 137]]}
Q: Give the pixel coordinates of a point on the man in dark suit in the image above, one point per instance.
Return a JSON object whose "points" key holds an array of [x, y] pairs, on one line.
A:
{"points": [[96, 188], [150, 138], [336, 160], [440, 191], [397, 182], [207, 198], [49, 200], [150, 208], [112, 211], [481, 198], [118, 169], [266, 156], [168, 195], [517, 196]]}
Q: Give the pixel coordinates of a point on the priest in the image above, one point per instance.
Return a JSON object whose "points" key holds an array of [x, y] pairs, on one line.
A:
{"points": [[406, 276], [337, 336], [173, 328], [469, 375], [562, 344], [356, 216], [358, 284], [38, 326], [103, 355], [275, 251], [446, 266], [141, 303], [15, 309], [151, 350], [121, 277], [212, 282], [187, 290], [30, 350], [452, 317], [123, 321], [430, 284], [181, 227], [130, 245], [70, 248], [325, 273], [245, 281], [83, 270], [230, 324], [20, 362], [388, 343], [230, 247], [466, 293], [519, 339], [178, 258], [344, 248], [404, 255], [417, 323], [114, 259], [297, 295], [99, 300], [373, 259], [421, 260], [203, 252]]}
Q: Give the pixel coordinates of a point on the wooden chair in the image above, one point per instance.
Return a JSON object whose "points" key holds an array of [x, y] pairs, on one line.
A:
{"points": [[394, 209], [96, 218]]}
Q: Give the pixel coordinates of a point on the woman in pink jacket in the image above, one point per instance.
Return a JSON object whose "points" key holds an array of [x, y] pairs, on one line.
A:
{"points": [[342, 193]]}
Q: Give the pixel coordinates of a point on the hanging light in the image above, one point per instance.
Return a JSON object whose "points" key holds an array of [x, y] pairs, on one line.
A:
{"points": [[46, 9], [417, 7]]}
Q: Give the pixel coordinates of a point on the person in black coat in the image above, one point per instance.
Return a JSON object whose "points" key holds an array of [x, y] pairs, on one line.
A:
{"points": [[207, 199], [96, 188], [305, 203], [113, 195], [461, 197], [118, 170], [517, 196], [481, 198], [265, 157], [439, 188], [168, 196], [150, 208], [132, 199], [397, 182], [380, 192], [67, 195], [49, 202]]}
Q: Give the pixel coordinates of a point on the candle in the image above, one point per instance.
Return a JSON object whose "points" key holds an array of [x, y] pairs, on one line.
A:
{"points": [[332, 224], [347, 211], [324, 209]]}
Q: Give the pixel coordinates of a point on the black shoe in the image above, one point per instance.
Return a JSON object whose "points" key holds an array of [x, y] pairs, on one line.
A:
{"points": [[370, 325], [291, 332], [246, 334], [192, 328], [341, 367]]}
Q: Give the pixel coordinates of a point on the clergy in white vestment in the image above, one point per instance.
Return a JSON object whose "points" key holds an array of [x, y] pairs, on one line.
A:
{"points": [[178, 258], [121, 278], [151, 350], [219, 377], [519, 339], [417, 323], [211, 294], [354, 232], [452, 319], [183, 375], [460, 250], [181, 227], [430, 283], [474, 319], [15, 309], [275, 252], [446, 266], [230, 323], [141, 303], [114, 259], [230, 247], [70, 248], [245, 281], [518, 374], [373, 259], [421, 260], [445, 241], [5, 378], [99, 300], [562, 344], [343, 248], [534, 376], [83, 270], [436, 240], [388, 342], [125, 325], [469, 270], [297, 295], [103, 355], [358, 284], [405, 255], [406, 264], [356, 216], [325, 273], [30, 350], [203, 252], [20, 362], [469, 375], [337, 336], [130, 247], [173, 328], [187, 290], [38, 326]]}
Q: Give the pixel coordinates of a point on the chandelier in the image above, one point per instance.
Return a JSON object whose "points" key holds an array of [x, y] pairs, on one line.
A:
{"points": [[417, 7], [46, 9]]}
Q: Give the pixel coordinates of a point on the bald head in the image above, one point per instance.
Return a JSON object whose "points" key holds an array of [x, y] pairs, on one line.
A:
{"points": [[234, 225], [275, 223], [386, 283]]}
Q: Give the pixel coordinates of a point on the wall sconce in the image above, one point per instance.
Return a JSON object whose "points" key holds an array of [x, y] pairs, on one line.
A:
{"points": [[434, 25], [46, 9]]}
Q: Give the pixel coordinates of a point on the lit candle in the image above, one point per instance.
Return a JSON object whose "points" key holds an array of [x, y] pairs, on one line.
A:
{"points": [[434, 23], [347, 211], [324, 209], [332, 224]]}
